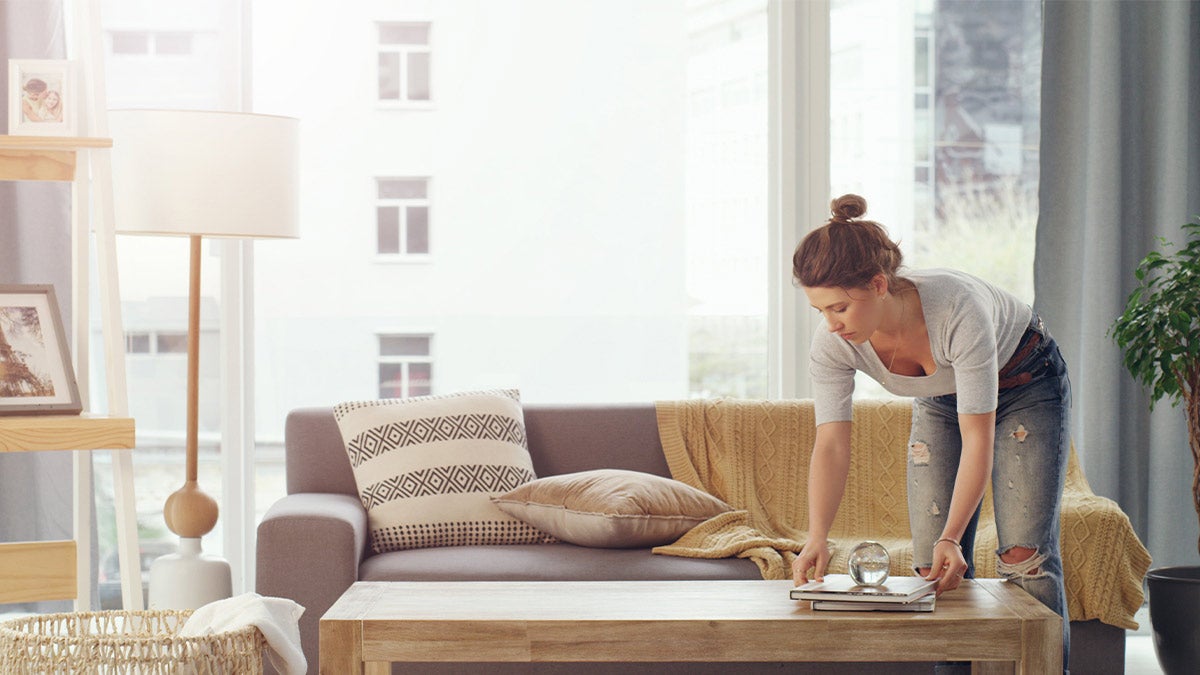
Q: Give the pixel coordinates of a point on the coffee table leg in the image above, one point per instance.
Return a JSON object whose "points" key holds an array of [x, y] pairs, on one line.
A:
{"points": [[1041, 646], [378, 668], [341, 647]]}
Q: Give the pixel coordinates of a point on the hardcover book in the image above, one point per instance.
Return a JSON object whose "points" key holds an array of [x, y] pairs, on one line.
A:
{"points": [[922, 604]]}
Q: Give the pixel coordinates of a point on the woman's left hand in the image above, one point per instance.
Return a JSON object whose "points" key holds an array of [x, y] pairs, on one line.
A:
{"points": [[948, 564]]}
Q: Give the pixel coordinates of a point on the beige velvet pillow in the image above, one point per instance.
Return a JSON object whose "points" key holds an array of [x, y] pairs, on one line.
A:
{"points": [[611, 508]]}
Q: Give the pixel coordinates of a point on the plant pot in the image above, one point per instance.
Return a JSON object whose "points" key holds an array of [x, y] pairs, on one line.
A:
{"points": [[1175, 618]]}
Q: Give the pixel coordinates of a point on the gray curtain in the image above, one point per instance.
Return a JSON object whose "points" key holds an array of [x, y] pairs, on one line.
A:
{"points": [[1120, 166], [35, 489]]}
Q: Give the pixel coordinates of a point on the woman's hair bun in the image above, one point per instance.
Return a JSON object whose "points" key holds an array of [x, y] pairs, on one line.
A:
{"points": [[848, 206]]}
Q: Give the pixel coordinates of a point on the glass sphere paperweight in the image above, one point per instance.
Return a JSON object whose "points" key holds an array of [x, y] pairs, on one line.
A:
{"points": [[869, 564]]}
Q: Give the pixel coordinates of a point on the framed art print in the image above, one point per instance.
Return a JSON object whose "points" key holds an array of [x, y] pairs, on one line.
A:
{"points": [[36, 375], [42, 98]]}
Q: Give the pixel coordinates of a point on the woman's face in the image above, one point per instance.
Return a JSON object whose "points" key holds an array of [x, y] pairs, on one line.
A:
{"points": [[52, 99], [853, 314]]}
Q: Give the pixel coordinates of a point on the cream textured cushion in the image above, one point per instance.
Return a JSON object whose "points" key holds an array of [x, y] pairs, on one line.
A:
{"points": [[426, 468], [611, 508]]}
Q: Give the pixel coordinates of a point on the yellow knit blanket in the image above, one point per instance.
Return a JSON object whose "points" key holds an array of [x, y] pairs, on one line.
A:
{"points": [[755, 454]]}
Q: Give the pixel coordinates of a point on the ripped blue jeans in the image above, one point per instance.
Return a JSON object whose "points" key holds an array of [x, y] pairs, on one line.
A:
{"points": [[1028, 470]]}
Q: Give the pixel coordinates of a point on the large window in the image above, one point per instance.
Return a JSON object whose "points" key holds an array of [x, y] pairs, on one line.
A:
{"points": [[603, 227], [935, 115], [950, 120], [985, 133], [726, 199]]}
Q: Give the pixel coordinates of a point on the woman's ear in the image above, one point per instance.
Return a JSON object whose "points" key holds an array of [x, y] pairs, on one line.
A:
{"points": [[879, 284]]}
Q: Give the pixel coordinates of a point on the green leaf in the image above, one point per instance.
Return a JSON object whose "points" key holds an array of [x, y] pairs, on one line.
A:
{"points": [[1181, 322], [1158, 329]]}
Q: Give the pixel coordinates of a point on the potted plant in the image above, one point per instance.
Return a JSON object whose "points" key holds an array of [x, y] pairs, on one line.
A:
{"points": [[1159, 333]]}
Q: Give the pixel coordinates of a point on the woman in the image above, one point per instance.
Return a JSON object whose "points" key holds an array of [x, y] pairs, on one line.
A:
{"points": [[52, 107], [991, 398]]}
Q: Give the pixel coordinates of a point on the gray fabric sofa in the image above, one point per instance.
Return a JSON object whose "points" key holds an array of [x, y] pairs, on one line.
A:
{"points": [[313, 543]]}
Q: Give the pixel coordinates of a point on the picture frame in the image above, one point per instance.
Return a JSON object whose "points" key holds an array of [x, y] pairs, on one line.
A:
{"points": [[36, 374], [43, 98]]}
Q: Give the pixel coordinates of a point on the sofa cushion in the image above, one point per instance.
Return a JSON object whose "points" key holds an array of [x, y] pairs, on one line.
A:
{"points": [[426, 467], [611, 508], [554, 562]]}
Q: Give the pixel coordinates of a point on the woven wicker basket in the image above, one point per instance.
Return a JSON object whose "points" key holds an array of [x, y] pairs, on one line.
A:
{"points": [[104, 643]]}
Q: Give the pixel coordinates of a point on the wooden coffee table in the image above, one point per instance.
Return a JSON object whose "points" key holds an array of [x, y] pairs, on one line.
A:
{"points": [[995, 624]]}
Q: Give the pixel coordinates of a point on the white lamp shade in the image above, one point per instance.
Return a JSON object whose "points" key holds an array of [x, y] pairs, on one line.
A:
{"points": [[214, 174]]}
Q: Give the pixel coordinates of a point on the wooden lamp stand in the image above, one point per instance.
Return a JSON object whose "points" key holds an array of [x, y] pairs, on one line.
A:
{"points": [[190, 578]]}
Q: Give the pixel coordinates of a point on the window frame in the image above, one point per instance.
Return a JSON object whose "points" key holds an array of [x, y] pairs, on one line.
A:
{"points": [[403, 50], [405, 360], [924, 189], [798, 122], [402, 204], [152, 37], [154, 339], [132, 335]]}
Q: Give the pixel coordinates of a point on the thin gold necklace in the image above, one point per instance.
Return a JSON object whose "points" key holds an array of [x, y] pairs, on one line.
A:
{"points": [[900, 339]]}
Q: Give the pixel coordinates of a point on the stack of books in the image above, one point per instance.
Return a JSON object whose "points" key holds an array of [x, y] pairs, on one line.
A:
{"points": [[838, 592]]}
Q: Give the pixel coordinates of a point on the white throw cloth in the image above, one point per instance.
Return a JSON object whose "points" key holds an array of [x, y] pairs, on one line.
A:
{"points": [[277, 618]]}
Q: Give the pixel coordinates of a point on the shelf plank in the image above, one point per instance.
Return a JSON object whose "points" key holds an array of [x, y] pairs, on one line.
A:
{"points": [[43, 157], [34, 433], [42, 570], [68, 143], [37, 164]]}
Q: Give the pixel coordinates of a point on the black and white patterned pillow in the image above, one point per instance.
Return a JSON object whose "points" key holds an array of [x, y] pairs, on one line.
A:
{"points": [[427, 467]]}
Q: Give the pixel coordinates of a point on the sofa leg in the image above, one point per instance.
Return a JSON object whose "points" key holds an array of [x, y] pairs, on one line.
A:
{"points": [[1097, 647]]}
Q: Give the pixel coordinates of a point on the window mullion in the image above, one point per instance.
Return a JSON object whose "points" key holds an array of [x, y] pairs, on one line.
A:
{"points": [[402, 226], [798, 119]]}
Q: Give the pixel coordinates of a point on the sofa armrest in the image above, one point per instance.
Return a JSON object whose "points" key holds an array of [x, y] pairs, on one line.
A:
{"points": [[309, 549], [1103, 560]]}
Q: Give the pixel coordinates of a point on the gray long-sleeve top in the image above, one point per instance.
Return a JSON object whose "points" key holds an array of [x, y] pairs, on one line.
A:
{"points": [[974, 327]]}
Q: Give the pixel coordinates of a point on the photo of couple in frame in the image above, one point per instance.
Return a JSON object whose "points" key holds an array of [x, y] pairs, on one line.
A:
{"points": [[42, 98]]}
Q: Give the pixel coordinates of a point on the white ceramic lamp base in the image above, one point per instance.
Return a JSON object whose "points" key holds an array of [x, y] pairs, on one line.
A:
{"points": [[188, 579]]}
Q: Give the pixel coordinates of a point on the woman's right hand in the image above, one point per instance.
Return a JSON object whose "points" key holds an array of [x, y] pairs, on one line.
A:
{"points": [[815, 554], [827, 471]]}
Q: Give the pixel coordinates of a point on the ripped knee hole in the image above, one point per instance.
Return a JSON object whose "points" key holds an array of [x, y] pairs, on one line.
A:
{"points": [[1020, 561]]}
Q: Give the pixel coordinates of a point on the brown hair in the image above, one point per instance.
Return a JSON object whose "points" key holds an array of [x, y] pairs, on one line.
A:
{"points": [[34, 85], [846, 252]]}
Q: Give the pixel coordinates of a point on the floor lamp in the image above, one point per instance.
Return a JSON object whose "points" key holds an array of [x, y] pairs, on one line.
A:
{"points": [[200, 174]]}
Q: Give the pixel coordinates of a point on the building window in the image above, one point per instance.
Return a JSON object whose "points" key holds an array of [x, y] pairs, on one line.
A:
{"points": [[923, 113], [171, 343], [156, 342], [137, 343], [404, 60], [405, 365], [177, 44], [402, 216], [147, 43]]}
